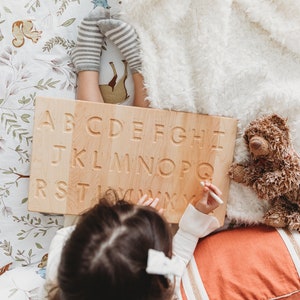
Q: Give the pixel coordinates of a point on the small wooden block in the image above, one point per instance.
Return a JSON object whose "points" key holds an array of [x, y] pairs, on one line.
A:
{"points": [[80, 149]]}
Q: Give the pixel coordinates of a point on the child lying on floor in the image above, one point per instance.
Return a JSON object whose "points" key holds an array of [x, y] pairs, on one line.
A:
{"points": [[126, 251]]}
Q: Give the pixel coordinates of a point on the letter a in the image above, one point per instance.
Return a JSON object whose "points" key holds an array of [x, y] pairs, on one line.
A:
{"points": [[47, 121]]}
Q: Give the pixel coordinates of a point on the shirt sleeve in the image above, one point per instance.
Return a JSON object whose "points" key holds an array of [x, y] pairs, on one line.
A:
{"points": [[54, 255], [192, 226]]}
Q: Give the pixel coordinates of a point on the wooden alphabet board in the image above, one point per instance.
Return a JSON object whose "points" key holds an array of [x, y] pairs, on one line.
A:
{"points": [[80, 149]]}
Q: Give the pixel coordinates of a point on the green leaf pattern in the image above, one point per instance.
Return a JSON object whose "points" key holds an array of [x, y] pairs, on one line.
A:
{"points": [[40, 68]]}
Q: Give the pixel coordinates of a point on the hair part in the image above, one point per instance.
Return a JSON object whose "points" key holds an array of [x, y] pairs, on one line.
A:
{"points": [[106, 255]]}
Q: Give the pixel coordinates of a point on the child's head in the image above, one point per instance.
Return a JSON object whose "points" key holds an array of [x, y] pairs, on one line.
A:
{"points": [[106, 255]]}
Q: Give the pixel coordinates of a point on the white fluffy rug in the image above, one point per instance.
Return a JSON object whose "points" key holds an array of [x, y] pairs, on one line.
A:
{"points": [[230, 58]]}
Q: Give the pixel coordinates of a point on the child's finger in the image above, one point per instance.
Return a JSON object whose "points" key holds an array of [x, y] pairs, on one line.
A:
{"points": [[161, 211], [205, 195], [209, 186], [148, 202], [145, 201], [215, 189], [142, 199], [154, 202]]}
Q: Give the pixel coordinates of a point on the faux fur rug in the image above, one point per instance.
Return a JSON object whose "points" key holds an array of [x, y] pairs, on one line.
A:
{"points": [[221, 57]]}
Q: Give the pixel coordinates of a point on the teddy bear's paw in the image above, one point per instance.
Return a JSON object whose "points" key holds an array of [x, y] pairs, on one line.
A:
{"points": [[264, 191], [231, 171], [275, 220], [294, 221], [294, 226], [237, 172]]}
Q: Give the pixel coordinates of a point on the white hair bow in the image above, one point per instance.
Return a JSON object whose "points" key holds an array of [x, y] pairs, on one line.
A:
{"points": [[158, 263]]}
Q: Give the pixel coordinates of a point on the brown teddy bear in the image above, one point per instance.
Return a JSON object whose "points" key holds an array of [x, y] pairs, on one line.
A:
{"points": [[273, 170]]}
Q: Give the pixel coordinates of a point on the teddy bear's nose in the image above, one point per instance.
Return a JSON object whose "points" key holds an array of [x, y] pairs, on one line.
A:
{"points": [[255, 144], [258, 146]]}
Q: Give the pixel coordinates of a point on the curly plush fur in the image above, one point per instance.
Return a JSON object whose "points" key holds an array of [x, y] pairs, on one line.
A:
{"points": [[273, 170]]}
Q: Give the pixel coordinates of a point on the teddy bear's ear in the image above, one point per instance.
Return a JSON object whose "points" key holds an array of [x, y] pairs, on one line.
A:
{"points": [[280, 122]]}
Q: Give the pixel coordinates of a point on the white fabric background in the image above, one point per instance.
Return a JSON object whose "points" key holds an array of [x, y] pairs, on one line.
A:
{"points": [[234, 58]]}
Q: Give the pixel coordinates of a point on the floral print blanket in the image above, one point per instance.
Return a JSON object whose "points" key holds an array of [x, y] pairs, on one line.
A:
{"points": [[36, 39]]}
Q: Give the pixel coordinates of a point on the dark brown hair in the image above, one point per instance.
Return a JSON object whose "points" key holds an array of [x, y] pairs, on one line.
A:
{"points": [[106, 255]]}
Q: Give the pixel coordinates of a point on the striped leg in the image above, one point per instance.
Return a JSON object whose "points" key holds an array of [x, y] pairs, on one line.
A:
{"points": [[86, 54], [124, 36]]}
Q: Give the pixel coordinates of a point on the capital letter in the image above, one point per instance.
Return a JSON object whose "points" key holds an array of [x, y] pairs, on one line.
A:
{"points": [[82, 187], [58, 157], [91, 125], [69, 122], [47, 121], [40, 188], [179, 137], [137, 130], [76, 158], [115, 127], [218, 135], [62, 190], [158, 131]]}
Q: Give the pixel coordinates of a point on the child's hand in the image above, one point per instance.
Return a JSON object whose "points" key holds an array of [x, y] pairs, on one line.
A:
{"points": [[207, 204], [145, 201]]}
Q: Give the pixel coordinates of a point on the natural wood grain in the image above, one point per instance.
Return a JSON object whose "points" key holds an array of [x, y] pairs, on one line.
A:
{"points": [[82, 148]]}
